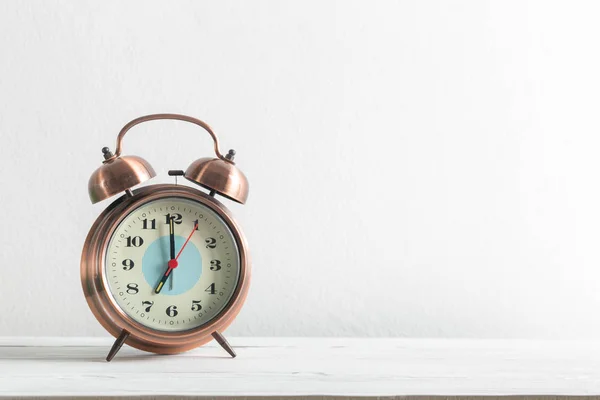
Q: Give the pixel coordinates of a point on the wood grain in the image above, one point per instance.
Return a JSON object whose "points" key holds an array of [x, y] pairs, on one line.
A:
{"points": [[301, 368]]}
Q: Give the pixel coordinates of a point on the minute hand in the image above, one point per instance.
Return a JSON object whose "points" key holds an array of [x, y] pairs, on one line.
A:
{"points": [[172, 237], [172, 243]]}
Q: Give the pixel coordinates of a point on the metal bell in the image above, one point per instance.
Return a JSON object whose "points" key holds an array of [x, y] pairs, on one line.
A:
{"points": [[118, 174], [220, 175]]}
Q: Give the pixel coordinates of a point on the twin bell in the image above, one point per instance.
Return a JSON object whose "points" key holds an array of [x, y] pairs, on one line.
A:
{"points": [[121, 173]]}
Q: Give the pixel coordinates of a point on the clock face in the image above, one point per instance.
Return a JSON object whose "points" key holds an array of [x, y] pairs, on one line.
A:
{"points": [[199, 284]]}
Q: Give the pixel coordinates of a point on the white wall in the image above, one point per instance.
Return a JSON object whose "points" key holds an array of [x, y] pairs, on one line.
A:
{"points": [[417, 168]]}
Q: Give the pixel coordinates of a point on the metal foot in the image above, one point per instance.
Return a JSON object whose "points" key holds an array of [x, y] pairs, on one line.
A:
{"points": [[117, 345], [224, 344]]}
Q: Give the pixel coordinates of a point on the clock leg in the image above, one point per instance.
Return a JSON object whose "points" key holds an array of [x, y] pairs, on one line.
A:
{"points": [[117, 345], [224, 344]]}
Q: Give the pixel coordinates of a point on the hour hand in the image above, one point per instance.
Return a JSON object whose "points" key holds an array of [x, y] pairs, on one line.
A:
{"points": [[171, 266]]}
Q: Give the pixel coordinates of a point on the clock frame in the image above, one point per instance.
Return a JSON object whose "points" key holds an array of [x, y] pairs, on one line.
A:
{"points": [[103, 305], [118, 175]]}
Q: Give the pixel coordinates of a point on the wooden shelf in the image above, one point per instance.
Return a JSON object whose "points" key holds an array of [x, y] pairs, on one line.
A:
{"points": [[286, 367]]}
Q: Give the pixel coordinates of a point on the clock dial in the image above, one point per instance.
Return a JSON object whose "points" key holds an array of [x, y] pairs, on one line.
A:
{"points": [[203, 278]]}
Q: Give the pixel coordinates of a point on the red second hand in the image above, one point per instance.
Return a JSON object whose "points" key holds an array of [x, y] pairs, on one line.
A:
{"points": [[187, 240]]}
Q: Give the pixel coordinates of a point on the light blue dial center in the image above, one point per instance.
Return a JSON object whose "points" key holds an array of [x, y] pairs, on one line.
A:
{"points": [[185, 276]]}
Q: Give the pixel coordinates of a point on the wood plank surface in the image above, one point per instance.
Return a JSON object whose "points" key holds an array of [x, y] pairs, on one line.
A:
{"points": [[301, 368]]}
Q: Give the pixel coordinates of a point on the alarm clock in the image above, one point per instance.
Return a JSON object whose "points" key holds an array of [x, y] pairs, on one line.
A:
{"points": [[166, 268]]}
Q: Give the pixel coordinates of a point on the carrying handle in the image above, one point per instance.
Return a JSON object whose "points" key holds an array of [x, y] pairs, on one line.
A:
{"points": [[179, 117]]}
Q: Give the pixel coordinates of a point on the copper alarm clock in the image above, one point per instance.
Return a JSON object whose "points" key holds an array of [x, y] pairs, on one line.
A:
{"points": [[165, 268]]}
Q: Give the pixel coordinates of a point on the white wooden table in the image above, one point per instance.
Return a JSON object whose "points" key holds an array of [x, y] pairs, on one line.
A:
{"points": [[291, 367]]}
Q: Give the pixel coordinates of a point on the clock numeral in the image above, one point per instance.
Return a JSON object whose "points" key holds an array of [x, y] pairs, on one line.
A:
{"points": [[215, 265], [132, 288], [172, 311], [136, 241], [128, 264], [197, 224], [152, 224], [196, 306], [149, 304], [211, 243], [211, 289], [176, 218]]}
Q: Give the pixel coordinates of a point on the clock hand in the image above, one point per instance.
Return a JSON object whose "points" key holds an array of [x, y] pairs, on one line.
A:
{"points": [[172, 264], [187, 240], [172, 243]]}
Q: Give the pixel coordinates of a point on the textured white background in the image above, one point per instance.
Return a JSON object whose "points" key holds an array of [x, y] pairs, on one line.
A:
{"points": [[417, 168]]}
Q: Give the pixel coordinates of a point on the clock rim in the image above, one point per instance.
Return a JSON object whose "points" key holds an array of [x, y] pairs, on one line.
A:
{"points": [[112, 317], [104, 264]]}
